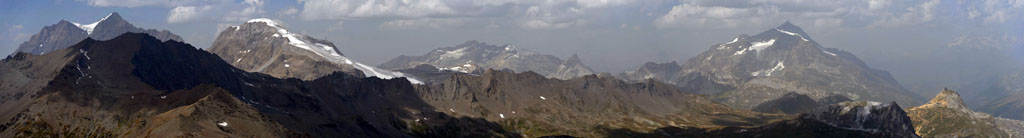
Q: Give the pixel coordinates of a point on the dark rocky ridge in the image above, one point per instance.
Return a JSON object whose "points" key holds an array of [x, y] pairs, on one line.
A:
{"points": [[791, 103], [128, 77]]}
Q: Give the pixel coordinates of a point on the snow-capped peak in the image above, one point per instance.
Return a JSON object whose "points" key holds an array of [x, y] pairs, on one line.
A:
{"points": [[89, 27], [328, 51]]}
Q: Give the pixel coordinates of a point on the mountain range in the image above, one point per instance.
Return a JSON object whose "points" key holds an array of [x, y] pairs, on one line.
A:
{"points": [[66, 33], [261, 80], [475, 55]]}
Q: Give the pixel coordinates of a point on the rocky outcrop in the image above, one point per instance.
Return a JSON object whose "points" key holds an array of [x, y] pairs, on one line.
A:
{"points": [[887, 120], [946, 116]]}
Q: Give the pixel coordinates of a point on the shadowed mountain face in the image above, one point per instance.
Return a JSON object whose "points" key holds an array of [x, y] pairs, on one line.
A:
{"points": [[474, 55], [946, 115], [791, 103], [137, 86], [65, 33], [749, 70]]}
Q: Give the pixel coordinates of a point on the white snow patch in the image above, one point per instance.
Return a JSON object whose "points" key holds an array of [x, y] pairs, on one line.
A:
{"points": [[501, 115], [829, 53], [779, 66], [542, 98], [454, 53], [286, 65], [791, 33], [163, 97], [733, 41], [86, 53], [89, 27], [223, 124], [40, 45], [453, 110], [239, 59], [756, 47]]}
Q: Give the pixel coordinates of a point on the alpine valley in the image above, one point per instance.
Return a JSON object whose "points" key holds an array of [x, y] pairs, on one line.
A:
{"points": [[260, 79]]}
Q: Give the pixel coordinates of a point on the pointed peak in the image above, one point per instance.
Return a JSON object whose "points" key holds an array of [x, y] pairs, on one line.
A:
{"points": [[112, 16], [789, 27]]}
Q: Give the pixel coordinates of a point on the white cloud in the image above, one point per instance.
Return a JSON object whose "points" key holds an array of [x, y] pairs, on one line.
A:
{"points": [[288, 12], [251, 10], [15, 27], [878, 4], [914, 15], [138, 3], [540, 24], [184, 13], [993, 11], [825, 14], [429, 23], [342, 9], [534, 14]]}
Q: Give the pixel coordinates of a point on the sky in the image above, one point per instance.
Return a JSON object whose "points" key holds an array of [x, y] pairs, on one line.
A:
{"points": [[608, 35]]}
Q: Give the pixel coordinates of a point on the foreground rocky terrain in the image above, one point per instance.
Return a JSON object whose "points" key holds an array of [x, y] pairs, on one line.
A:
{"points": [[946, 115], [138, 86]]}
